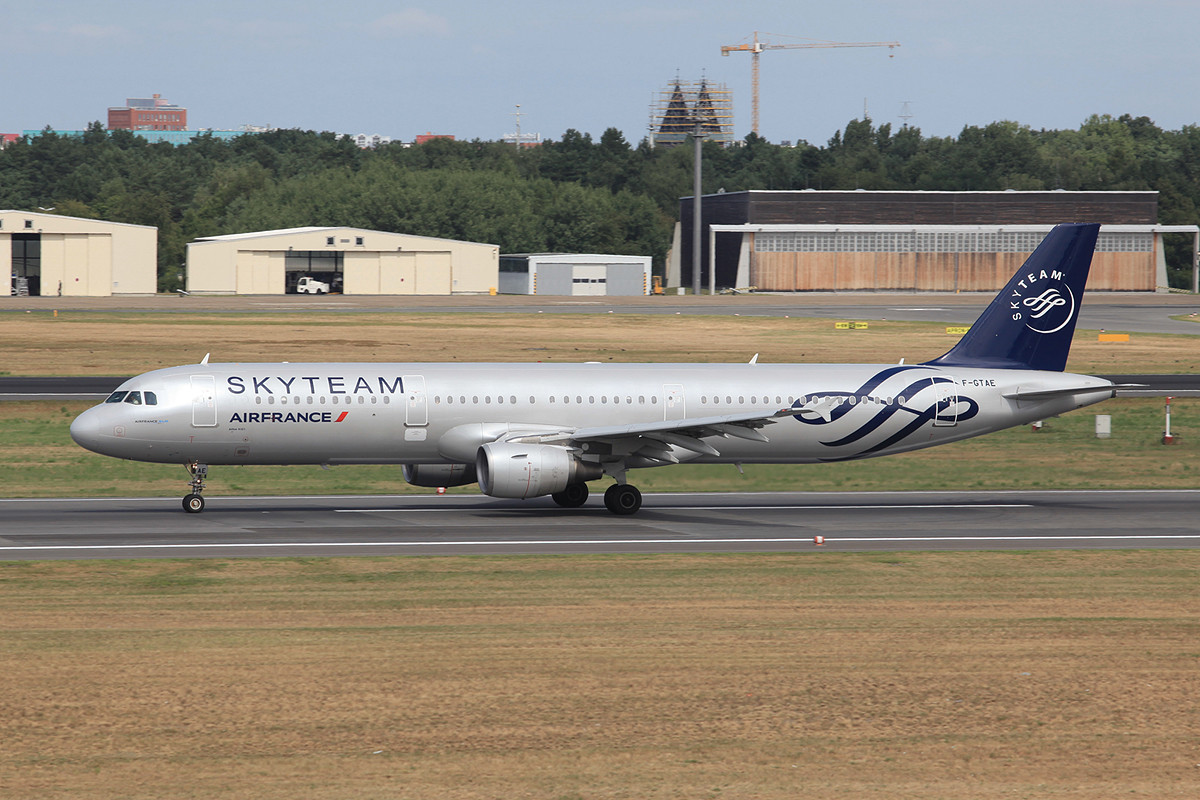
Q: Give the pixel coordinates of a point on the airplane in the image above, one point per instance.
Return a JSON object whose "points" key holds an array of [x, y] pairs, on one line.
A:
{"points": [[530, 430]]}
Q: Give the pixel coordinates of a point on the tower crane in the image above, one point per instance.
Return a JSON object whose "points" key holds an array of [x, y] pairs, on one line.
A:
{"points": [[756, 48]]}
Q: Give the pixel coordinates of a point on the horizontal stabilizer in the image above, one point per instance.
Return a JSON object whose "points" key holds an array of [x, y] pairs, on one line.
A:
{"points": [[1045, 394]]}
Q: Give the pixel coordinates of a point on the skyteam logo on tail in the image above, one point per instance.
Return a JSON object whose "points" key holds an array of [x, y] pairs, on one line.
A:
{"points": [[1043, 301]]}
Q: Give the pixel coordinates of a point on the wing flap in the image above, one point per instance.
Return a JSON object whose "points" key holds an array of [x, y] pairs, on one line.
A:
{"points": [[655, 439]]}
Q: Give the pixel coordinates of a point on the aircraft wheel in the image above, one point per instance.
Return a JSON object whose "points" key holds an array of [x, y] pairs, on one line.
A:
{"points": [[573, 496], [623, 499], [193, 504]]}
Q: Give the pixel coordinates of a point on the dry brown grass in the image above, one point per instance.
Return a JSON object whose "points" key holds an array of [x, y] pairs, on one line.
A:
{"points": [[1065, 675], [123, 344]]}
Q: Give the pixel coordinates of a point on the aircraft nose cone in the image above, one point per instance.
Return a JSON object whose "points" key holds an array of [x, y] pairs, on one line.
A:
{"points": [[85, 430]]}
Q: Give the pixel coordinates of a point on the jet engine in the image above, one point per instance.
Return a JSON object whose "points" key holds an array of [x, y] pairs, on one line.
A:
{"points": [[511, 469], [439, 474]]}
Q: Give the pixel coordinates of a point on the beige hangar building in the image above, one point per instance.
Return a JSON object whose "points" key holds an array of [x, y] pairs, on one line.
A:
{"points": [[51, 255], [350, 260]]}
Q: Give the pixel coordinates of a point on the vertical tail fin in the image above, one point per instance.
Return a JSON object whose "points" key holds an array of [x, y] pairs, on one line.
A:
{"points": [[1030, 323]]}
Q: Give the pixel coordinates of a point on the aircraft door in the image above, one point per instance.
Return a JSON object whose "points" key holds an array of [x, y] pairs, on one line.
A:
{"points": [[416, 404], [204, 401], [946, 413], [674, 406]]}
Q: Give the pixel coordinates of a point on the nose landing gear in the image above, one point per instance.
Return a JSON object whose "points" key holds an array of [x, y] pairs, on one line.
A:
{"points": [[194, 502]]}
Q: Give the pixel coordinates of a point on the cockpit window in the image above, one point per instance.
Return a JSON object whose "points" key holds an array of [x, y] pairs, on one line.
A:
{"points": [[134, 398], [116, 397], [151, 398]]}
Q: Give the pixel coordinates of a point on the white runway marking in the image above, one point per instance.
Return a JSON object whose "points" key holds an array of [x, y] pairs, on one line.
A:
{"points": [[986, 506], [583, 542]]}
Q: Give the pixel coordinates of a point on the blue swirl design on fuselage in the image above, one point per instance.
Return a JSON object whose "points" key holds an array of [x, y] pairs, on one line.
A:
{"points": [[935, 411]]}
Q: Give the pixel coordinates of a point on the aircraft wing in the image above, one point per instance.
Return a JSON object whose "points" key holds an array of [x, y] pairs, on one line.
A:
{"points": [[654, 439]]}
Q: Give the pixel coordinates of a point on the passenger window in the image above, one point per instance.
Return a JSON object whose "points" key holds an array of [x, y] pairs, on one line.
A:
{"points": [[134, 398], [116, 397]]}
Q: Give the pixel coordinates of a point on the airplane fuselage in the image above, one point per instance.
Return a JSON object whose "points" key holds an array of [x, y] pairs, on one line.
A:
{"points": [[423, 413]]}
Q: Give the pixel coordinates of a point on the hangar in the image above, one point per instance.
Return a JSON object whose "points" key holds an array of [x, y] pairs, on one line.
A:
{"points": [[52, 255], [350, 260], [559, 274], [914, 241]]}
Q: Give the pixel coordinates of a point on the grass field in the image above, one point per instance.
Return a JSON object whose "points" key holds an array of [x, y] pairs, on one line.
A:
{"points": [[128, 344], [38, 459], [814, 675], [933, 675]]}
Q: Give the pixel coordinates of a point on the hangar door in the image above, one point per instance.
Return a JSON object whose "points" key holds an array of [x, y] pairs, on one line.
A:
{"points": [[27, 264], [260, 272], [626, 279], [433, 274], [590, 279]]}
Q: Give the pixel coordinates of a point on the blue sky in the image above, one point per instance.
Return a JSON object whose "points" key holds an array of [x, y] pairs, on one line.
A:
{"points": [[462, 66]]}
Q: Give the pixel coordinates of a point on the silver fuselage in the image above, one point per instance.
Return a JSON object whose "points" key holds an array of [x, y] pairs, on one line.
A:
{"points": [[426, 413]]}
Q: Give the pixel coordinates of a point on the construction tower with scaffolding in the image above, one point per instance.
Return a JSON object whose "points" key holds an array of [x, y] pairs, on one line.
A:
{"points": [[678, 108]]}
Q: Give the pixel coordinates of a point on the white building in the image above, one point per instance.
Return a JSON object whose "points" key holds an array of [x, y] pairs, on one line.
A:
{"points": [[351, 260], [52, 255], [559, 274]]}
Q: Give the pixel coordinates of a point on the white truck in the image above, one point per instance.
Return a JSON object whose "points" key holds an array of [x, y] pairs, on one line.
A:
{"points": [[310, 285]]}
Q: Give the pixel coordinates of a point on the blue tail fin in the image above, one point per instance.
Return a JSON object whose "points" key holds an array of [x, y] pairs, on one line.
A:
{"points": [[1030, 323]]}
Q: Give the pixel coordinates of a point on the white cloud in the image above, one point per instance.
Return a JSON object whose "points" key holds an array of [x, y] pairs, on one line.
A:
{"points": [[410, 22], [80, 30]]}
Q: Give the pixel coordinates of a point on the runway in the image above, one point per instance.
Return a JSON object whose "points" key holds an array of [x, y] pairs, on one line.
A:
{"points": [[233, 527]]}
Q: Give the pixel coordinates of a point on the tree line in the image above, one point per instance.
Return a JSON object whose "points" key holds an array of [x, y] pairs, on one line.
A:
{"points": [[574, 194]]}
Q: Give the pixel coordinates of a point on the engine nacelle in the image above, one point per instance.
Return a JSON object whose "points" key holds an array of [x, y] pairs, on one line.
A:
{"points": [[434, 475], [510, 469]]}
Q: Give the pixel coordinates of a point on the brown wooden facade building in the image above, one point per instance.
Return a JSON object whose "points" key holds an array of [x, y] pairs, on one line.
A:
{"points": [[913, 241]]}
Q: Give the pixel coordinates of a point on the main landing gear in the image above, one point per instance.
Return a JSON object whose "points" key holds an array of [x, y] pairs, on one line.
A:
{"points": [[573, 496], [623, 499], [194, 502], [620, 498]]}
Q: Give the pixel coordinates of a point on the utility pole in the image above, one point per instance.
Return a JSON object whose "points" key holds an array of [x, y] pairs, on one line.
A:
{"points": [[698, 138]]}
